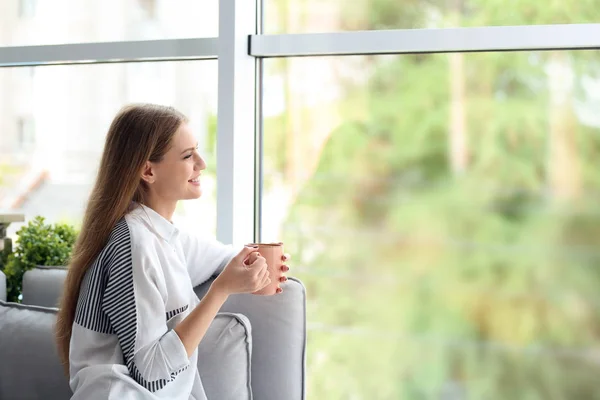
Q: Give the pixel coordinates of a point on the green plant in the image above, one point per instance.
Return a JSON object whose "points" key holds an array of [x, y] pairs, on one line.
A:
{"points": [[38, 243]]}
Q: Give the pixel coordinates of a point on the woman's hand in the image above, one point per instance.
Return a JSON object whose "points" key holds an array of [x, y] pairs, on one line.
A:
{"points": [[284, 268], [242, 275]]}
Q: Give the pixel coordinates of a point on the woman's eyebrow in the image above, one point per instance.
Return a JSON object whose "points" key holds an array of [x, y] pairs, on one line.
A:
{"points": [[189, 148]]}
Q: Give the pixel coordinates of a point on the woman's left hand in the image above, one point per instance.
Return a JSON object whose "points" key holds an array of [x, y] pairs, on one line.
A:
{"points": [[284, 268]]}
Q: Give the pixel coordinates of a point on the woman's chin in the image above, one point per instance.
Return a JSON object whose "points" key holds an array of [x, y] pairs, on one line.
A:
{"points": [[196, 194]]}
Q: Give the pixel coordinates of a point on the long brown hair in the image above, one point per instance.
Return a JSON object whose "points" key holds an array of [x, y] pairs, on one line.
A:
{"points": [[138, 133]]}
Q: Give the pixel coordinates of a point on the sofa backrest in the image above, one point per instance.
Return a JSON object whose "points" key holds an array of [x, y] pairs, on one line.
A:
{"points": [[30, 367], [42, 286], [278, 340]]}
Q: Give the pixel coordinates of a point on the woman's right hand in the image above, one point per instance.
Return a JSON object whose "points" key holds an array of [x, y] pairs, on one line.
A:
{"points": [[238, 277]]}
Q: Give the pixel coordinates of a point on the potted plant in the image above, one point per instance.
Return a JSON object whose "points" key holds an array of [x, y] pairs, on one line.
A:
{"points": [[37, 244]]}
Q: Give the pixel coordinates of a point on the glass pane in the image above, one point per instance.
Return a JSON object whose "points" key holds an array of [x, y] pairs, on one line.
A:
{"points": [[442, 212], [311, 16], [32, 22], [54, 119]]}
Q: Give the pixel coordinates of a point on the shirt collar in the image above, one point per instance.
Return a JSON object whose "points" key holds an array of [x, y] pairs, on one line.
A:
{"points": [[156, 222]]}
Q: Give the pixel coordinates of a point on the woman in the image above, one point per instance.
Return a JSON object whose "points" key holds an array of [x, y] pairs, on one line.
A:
{"points": [[129, 322]]}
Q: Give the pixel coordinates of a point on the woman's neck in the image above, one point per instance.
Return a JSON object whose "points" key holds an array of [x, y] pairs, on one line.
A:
{"points": [[165, 209]]}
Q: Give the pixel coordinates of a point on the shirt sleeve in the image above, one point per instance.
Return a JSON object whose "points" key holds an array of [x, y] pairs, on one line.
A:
{"points": [[205, 257], [135, 305]]}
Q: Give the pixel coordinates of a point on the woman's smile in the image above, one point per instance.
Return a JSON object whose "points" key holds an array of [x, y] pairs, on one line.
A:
{"points": [[195, 181]]}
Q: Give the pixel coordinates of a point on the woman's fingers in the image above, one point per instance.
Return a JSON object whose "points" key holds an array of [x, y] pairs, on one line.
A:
{"points": [[261, 279]]}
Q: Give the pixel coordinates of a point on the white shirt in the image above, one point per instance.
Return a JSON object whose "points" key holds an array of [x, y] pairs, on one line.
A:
{"points": [[138, 289]]}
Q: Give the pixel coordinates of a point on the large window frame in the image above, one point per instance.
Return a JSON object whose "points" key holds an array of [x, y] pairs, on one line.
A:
{"points": [[240, 49]]}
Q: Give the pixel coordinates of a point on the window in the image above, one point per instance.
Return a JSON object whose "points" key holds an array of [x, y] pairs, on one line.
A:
{"points": [[27, 8], [25, 133], [440, 208], [58, 22], [442, 213], [308, 16], [63, 129], [149, 7]]}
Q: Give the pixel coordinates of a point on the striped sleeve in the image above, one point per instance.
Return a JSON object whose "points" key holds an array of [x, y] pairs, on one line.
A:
{"points": [[136, 310]]}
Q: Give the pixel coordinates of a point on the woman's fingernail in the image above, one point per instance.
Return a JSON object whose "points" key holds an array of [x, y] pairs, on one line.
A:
{"points": [[279, 290], [282, 279], [285, 268]]}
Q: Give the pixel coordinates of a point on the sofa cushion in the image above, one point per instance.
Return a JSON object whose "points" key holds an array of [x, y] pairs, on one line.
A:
{"points": [[224, 358], [42, 286], [30, 367], [278, 339], [2, 286]]}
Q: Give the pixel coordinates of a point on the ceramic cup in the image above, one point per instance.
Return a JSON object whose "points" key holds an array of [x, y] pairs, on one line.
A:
{"points": [[273, 254]]}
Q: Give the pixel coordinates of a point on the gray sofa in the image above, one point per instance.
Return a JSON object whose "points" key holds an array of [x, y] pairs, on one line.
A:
{"points": [[254, 349]]}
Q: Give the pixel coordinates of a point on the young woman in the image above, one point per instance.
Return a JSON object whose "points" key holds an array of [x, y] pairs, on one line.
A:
{"points": [[129, 322]]}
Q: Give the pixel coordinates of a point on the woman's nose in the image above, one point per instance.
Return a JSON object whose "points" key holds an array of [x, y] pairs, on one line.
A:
{"points": [[200, 164]]}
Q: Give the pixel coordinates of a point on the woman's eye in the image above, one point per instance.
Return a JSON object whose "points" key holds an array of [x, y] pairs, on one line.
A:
{"points": [[186, 157]]}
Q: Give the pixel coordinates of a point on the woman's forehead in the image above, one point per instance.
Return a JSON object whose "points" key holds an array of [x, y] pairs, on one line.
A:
{"points": [[184, 137]]}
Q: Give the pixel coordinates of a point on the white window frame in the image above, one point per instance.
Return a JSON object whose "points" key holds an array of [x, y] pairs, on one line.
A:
{"points": [[240, 49]]}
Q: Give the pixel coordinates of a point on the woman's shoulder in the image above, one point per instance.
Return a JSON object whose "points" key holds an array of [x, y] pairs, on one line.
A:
{"points": [[129, 242], [128, 232]]}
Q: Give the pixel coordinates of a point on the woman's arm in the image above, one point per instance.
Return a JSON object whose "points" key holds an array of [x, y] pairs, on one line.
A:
{"points": [[193, 328], [205, 256], [236, 278], [134, 302]]}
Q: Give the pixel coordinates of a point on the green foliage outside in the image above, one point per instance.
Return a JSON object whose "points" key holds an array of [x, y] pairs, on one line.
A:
{"points": [[425, 282], [38, 244], [211, 145]]}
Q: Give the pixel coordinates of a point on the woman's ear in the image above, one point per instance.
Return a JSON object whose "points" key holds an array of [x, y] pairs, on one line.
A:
{"points": [[148, 173]]}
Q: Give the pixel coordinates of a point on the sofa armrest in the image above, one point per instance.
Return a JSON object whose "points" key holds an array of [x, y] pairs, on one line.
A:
{"points": [[278, 339], [2, 286]]}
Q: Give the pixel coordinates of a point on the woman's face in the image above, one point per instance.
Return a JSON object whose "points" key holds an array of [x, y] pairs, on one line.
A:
{"points": [[177, 175]]}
